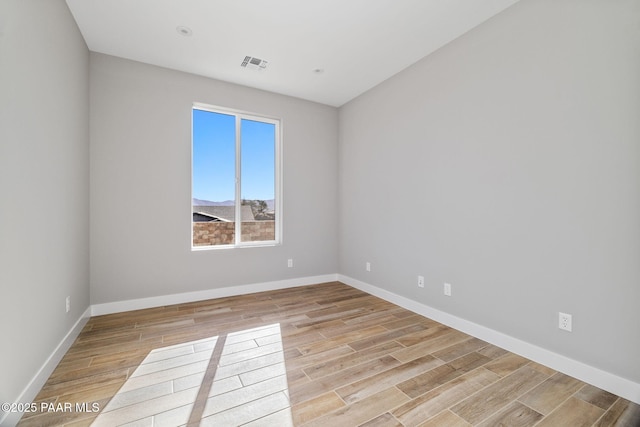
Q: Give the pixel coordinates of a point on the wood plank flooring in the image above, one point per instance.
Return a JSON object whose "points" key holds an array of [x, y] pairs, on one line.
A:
{"points": [[320, 355]]}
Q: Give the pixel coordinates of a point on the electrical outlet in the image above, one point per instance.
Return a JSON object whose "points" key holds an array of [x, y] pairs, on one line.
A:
{"points": [[564, 321], [68, 304], [447, 289], [421, 281], [290, 262], [368, 266]]}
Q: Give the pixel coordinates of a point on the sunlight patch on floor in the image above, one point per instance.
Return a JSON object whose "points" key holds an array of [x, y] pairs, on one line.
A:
{"points": [[235, 379]]}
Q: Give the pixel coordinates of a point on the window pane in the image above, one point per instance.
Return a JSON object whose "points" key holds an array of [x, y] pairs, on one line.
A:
{"points": [[258, 159], [213, 185]]}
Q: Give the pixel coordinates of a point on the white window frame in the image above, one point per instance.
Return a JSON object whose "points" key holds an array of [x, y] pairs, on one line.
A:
{"points": [[239, 116]]}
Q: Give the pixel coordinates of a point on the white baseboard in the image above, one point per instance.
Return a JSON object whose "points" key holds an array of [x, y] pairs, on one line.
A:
{"points": [[597, 377], [589, 374], [159, 301], [36, 383], [34, 386]]}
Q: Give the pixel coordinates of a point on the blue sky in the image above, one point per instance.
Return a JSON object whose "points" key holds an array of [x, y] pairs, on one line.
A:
{"points": [[214, 157]]}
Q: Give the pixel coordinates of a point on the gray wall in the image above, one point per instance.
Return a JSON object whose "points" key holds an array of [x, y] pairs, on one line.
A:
{"points": [[508, 164], [141, 162], [44, 173]]}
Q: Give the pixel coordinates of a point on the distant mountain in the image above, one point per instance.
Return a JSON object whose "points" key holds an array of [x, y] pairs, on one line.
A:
{"points": [[271, 204], [200, 202]]}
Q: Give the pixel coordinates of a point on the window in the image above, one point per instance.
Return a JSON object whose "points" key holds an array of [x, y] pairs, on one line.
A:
{"points": [[235, 182]]}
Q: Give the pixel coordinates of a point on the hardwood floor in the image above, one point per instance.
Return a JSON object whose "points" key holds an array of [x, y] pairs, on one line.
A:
{"points": [[321, 355]]}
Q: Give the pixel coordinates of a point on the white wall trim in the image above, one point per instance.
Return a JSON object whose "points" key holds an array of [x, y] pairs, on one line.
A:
{"points": [[40, 378], [589, 374], [38, 381], [159, 301], [597, 377]]}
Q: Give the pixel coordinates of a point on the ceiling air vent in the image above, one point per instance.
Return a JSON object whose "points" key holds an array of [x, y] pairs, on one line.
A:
{"points": [[252, 63]]}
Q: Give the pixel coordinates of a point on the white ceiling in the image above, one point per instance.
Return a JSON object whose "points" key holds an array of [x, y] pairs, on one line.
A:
{"points": [[358, 43]]}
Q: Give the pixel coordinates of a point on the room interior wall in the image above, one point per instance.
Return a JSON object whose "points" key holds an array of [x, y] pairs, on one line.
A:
{"points": [[508, 165], [141, 185], [44, 182]]}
